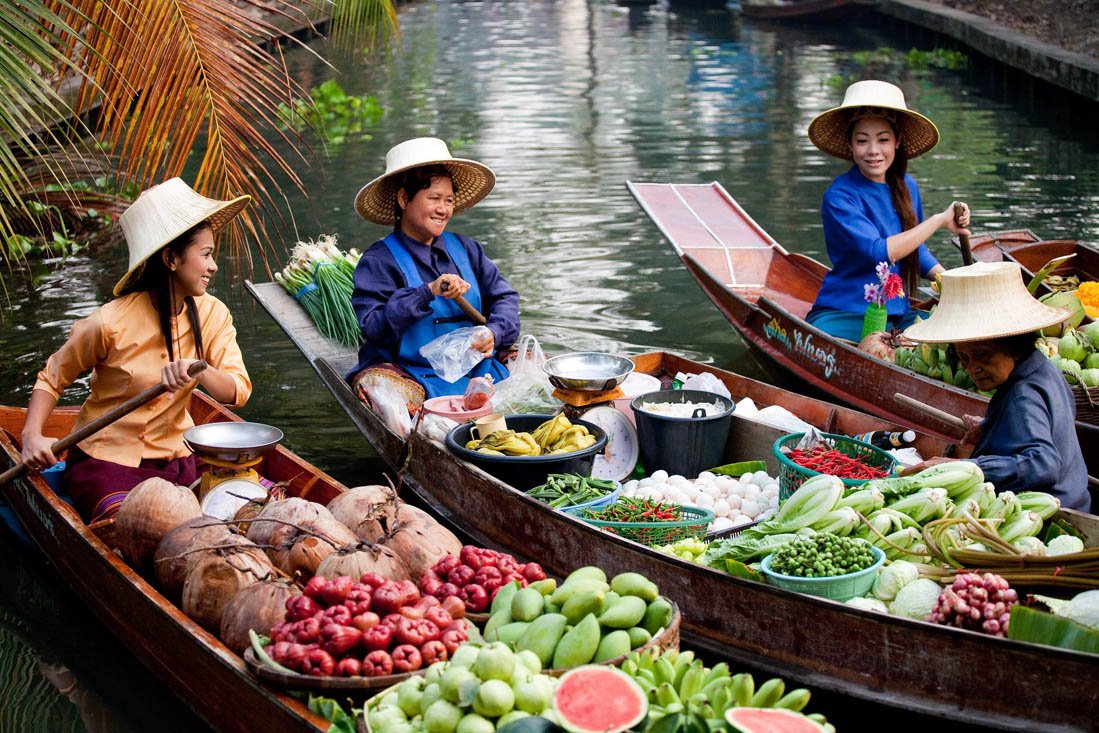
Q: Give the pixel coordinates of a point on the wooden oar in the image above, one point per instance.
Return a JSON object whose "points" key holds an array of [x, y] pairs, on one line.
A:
{"points": [[467, 308], [946, 417], [101, 422], [963, 239]]}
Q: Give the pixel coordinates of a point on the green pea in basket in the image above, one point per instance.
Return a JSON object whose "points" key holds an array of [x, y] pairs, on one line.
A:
{"points": [[694, 523], [791, 475]]}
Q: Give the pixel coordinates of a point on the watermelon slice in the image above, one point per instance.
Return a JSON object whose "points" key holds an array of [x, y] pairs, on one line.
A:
{"points": [[596, 698], [770, 720]]}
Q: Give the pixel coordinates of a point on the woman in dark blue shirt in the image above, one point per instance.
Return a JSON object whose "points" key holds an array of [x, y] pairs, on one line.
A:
{"points": [[1027, 439], [873, 213], [406, 284]]}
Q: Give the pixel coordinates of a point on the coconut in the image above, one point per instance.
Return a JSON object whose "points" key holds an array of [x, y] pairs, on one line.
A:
{"points": [[257, 607], [359, 558], [178, 551], [293, 511], [420, 541], [217, 577], [367, 510], [150, 510], [297, 551]]}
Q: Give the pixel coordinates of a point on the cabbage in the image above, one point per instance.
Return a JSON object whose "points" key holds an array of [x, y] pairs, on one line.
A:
{"points": [[916, 599], [1083, 609], [1064, 544], [1030, 546], [868, 604], [893, 577]]}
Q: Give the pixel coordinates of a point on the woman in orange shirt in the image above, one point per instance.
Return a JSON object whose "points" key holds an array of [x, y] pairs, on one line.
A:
{"points": [[161, 323]]}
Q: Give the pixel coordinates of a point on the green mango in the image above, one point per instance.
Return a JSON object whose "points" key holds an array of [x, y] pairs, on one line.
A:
{"points": [[579, 645], [639, 636], [635, 584], [526, 605], [511, 633], [579, 585], [504, 596], [657, 616], [629, 611], [495, 622], [583, 603], [542, 635], [614, 644], [587, 572]]}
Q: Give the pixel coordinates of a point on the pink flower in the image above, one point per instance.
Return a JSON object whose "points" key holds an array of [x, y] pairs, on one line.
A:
{"points": [[872, 293], [889, 285], [894, 287]]}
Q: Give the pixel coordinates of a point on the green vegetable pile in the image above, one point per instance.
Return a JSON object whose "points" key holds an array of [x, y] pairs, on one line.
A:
{"points": [[822, 556], [570, 489], [319, 276]]}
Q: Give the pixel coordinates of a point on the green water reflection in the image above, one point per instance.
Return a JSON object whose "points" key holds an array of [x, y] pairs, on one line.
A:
{"points": [[566, 101]]}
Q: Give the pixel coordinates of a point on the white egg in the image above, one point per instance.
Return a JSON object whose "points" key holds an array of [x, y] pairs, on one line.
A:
{"points": [[751, 492], [706, 477], [772, 501], [721, 508], [737, 490], [750, 508], [704, 500], [721, 523], [631, 485], [770, 490], [713, 490], [660, 476], [760, 477], [734, 513], [733, 500], [725, 482], [676, 497], [678, 481], [742, 520]]}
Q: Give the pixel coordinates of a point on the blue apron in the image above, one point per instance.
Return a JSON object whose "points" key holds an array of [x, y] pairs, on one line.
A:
{"points": [[445, 317]]}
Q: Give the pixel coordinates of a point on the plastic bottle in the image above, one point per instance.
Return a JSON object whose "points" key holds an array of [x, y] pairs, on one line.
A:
{"points": [[887, 440]]}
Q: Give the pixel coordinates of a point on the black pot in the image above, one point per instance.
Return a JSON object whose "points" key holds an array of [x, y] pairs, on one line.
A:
{"points": [[682, 445], [526, 472]]}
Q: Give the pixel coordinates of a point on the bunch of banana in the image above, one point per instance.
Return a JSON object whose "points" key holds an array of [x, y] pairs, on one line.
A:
{"points": [[679, 685], [935, 361], [507, 443]]}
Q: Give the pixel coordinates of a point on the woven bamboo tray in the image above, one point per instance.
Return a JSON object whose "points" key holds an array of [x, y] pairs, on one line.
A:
{"points": [[1087, 403]]}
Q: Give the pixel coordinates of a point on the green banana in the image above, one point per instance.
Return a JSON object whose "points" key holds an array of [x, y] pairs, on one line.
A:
{"points": [[721, 697], [718, 671], [682, 663], [768, 693], [744, 687], [629, 666], [647, 675], [664, 670], [666, 694], [794, 700], [691, 683], [646, 685]]}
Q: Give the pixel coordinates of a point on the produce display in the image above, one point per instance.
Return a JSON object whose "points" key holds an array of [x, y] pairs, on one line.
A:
{"points": [[1076, 354], [736, 502], [822, 555], [571, 489], [690, 549], [976, 602], [554, 436], [937, 362], [476, 574], [646, 521], [479, 690], [319, 276], [584, 619], [371, 627]]}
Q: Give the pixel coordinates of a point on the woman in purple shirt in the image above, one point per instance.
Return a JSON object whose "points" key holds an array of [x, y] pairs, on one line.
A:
{"points": [[406, 284], [873, 213]]}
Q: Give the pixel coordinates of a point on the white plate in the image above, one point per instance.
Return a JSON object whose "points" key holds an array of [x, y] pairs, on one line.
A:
{"points": [[617, 461]]}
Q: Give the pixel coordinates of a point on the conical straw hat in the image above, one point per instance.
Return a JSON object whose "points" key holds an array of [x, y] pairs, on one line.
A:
{"points": [[472, 180], [828, 131], [986, 300], [162, 213]]}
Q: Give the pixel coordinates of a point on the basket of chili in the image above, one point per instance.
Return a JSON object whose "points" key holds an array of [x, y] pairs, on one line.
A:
{"points": [[646, 521], [852, 461]]}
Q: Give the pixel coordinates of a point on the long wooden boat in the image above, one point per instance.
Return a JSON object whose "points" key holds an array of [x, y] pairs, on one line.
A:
{"points": [[912, 666], [765, 292], [1032, 254], [817, 11], [189, 660]]}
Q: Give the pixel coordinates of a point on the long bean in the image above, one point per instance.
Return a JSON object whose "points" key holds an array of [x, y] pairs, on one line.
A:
{"points": [[569, 489]]}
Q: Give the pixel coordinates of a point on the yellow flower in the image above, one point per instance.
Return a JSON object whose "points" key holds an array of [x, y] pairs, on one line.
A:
{"points": [[1088, 294]]}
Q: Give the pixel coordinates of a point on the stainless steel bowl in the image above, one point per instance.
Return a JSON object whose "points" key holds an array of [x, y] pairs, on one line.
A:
{"points": [[587, 371], [232, 441]]}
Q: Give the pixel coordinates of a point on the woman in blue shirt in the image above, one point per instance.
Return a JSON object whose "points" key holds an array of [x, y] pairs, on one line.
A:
{"points": [[873, 213], [406, 284], [1027, 440]]}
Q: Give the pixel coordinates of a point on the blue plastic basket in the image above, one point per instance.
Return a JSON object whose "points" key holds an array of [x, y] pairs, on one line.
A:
{"points": [[608, 499], [836, 587]]}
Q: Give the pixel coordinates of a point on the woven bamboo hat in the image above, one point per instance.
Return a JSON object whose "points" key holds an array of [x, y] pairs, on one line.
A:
{"points": [[828, 131], [472, 180], [162, 213], [986, 300]]}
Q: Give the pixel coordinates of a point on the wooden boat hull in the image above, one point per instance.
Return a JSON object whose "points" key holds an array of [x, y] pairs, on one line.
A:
{"points": [[184, 656], [765, 291], [914, 666], [1032, 253], [817, 11]]}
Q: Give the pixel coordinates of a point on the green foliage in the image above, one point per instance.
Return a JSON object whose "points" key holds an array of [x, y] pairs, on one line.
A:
{"points": [[886, 63], [938, 58], [336, 114], [331, 711]]}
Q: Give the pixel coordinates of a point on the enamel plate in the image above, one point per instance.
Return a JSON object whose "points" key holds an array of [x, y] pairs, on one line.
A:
{"points": [[621, 454]]}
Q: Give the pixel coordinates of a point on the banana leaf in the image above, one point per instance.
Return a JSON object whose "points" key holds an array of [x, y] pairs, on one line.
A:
{"points": [[1039, 627], [1032, 286]]}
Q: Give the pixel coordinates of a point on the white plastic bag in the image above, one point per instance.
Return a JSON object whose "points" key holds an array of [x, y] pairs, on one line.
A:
{"points": [[527, 389], [704, 382], [391, 407], [452, 355]]}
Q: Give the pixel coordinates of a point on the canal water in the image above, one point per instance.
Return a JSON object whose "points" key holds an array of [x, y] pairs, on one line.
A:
{"points": [[566, 101]]}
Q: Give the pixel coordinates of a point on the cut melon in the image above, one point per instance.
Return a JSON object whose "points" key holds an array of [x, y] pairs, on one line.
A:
{"points": [[596, 698], [770, 720]]}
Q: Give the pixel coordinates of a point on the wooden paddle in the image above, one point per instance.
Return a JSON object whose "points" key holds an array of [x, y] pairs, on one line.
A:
{"points": [[467, 308], [946, 417], [963, 239], [101, 422]]}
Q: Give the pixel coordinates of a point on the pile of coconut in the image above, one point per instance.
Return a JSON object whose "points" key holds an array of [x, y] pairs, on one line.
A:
{"points": [[234, 576]]}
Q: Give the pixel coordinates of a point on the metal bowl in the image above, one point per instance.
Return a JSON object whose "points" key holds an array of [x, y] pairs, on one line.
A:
{"points": [[232, 441], [587, 371]]}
